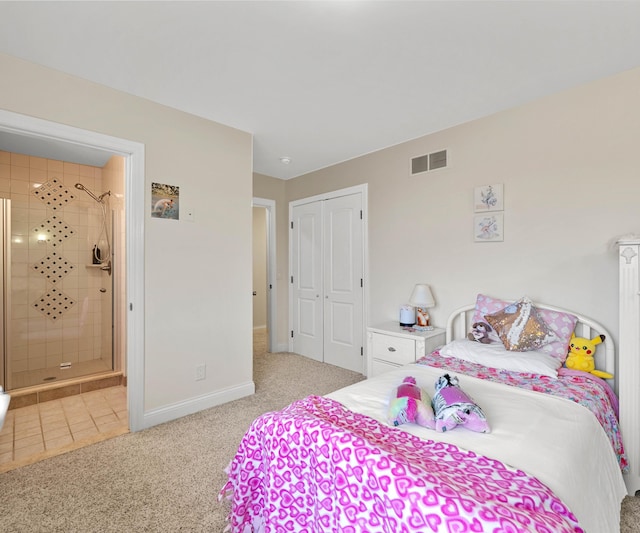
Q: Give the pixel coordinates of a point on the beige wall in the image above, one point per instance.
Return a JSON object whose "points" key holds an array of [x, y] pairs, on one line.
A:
{"points": [[571, 179], [197, 274]]}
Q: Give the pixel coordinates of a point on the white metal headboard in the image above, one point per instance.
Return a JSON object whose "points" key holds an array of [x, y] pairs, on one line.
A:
{"points": [[459, 324]]}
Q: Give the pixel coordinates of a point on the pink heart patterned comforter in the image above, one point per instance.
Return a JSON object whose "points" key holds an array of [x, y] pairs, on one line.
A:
{"points": [[317, 467]]}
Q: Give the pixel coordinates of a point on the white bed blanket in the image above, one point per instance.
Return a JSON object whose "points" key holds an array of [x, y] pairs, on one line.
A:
{"points": [[554, 439]]}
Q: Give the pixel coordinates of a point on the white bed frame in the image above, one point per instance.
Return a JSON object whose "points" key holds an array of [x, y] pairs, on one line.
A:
{"points": [[459, 324], [629, 349]]}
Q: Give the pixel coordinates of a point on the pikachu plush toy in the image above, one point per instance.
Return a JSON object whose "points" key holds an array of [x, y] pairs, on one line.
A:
{"points": [[580, 356]]}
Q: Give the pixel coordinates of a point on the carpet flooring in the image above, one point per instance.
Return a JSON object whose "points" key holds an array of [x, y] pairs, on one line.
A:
{"points": [[166, 478]]}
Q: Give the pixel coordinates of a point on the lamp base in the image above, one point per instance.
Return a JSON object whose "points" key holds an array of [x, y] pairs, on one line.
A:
{"points": [[422, 319]]}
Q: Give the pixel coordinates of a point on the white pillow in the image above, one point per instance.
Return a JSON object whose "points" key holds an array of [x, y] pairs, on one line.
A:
{"points": [[495, 355]]}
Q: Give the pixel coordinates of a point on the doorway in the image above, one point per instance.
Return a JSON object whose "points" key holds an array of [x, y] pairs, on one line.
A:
{"points": [[130, 314], [264, 269]]}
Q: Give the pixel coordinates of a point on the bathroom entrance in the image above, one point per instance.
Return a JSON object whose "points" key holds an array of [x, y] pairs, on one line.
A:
{"points": [[52, 139], [60, 256]]}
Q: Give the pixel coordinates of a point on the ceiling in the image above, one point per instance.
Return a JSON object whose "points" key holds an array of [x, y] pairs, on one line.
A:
{"points": [[324, 82]]}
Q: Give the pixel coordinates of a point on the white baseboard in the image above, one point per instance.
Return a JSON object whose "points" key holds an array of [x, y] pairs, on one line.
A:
{"points": [[193, 405], [282, 347]]}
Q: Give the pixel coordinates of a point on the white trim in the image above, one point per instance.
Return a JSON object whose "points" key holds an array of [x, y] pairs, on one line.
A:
{"points": [[133, 152], [364, 191], [272, 295], [329, 195], [194, 405]]}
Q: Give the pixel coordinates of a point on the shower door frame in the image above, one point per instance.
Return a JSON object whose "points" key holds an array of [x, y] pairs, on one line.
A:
{"points": [[5, 216], [133, 153]]}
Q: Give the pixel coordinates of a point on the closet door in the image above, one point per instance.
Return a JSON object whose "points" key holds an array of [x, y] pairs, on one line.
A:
{"points": [[306, 283], [327, 265], [343, 272]]}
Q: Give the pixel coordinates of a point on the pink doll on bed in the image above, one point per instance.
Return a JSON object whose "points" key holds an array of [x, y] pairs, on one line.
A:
{"points": [[453, 407], [411, 404]]}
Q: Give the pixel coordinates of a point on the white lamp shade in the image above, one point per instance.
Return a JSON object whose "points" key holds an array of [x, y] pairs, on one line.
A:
{"points": [[422, 297]]}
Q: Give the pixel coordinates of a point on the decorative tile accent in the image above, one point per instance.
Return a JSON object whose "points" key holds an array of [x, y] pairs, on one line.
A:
{"points": [[56, 230], [54, 267], [53, 304], [54, 194]]}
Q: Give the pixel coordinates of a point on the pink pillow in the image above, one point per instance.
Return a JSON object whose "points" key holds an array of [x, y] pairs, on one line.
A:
{"points": [[562, 324]]}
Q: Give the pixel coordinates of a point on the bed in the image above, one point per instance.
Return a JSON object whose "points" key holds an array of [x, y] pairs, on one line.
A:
{"points": [[551, 462]]}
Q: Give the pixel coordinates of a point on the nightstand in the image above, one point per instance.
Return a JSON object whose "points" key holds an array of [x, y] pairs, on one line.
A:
{"points": [[390, 346]]}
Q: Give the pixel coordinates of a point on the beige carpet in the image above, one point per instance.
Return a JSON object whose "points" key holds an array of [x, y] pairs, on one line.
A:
{"points": [[166, 479]]}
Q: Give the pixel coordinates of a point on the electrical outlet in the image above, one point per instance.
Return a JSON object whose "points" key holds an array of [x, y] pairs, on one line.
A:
{"points": [[201, 372]]}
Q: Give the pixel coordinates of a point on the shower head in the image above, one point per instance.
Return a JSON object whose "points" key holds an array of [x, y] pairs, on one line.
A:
{"points": [[96, 198]]}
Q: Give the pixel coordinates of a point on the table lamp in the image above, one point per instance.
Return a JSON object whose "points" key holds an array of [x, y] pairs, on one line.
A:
{"points": [[421, 299]]}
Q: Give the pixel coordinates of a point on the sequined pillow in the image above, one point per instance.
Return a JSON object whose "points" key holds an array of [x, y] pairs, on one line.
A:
{"points": [[561, 323], [520, 327]]}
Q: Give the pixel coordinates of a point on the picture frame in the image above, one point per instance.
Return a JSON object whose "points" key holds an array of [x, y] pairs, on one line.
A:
{"points": [[488, 227], [165, 201], [488, 198]]}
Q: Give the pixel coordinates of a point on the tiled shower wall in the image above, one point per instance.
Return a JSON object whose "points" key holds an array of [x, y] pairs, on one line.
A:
{"points": [[60, 303]]}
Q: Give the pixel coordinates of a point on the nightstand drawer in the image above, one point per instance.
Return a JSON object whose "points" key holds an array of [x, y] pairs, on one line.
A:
{"points": [[393, 349], [390, 346], [380, 367]]}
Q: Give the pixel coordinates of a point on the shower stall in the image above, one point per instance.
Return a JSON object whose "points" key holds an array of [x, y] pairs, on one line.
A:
{"points": [[58, 273]]}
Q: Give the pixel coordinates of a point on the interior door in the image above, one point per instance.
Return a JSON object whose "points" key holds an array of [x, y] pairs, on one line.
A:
{"points": [[343, 280], [306, 251], [327, 280]]}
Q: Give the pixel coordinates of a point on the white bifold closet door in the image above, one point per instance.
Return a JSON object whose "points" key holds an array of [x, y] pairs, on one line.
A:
{"points": [[327, 281]]}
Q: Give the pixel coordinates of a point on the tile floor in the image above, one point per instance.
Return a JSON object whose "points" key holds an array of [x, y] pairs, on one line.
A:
{"points": [[46, 429]]}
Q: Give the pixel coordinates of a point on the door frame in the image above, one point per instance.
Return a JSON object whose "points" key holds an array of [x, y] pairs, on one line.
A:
{"points": [[133, 153], [363, 189], [272, 293]]}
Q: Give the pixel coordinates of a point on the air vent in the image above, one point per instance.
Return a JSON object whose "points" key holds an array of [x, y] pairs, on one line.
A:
{"points": [[438, 160], [419, 164], [425, 163]]}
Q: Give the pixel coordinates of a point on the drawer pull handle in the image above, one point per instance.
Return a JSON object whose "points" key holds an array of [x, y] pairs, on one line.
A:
{"points": [[391, 349]]}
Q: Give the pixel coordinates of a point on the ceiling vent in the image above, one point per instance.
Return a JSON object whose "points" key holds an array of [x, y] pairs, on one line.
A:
{"points": [[425, 163]]}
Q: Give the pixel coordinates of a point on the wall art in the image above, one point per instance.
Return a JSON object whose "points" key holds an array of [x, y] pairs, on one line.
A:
{"points": [[488, 227], [165, 201], [488, 198]]}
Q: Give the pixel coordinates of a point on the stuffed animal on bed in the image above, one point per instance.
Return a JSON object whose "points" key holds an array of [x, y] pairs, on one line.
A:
{"points": [[453, 407], [480, 333], [410, 404], [581, 353]]}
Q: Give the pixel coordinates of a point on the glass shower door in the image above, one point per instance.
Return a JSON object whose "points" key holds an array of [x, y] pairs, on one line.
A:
{"points": [[5, 221]]}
